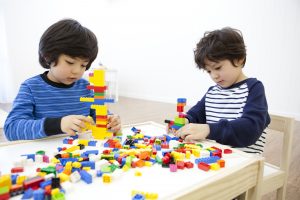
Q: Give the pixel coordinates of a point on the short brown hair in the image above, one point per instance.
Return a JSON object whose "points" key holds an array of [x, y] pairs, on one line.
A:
{"points": [[227, 43]]}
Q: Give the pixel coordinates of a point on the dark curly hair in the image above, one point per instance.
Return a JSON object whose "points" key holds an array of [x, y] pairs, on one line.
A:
{"points": [[67, 37], [218, 45]]}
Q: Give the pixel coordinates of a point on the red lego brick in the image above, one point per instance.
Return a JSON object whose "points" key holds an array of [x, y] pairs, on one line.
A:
{"points": [[203, 166], [227, 151], [17, 169]]}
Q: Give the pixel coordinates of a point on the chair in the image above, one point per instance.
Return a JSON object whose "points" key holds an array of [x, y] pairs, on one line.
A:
{"points": [[275, 177]]}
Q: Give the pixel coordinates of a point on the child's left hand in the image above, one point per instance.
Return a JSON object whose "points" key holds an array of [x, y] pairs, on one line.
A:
{"points": [[114, 123], [192, 132]]}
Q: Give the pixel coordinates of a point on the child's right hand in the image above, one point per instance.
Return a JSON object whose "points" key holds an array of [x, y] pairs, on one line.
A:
{"points": [[193, 132], [74, 123]]}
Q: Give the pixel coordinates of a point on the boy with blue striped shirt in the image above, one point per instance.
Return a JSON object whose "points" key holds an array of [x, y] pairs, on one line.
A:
{"points": [[233, 112], [48, 104]]}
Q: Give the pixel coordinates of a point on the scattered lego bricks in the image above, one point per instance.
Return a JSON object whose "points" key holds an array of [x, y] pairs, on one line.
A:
{"points": [[72, 163]]}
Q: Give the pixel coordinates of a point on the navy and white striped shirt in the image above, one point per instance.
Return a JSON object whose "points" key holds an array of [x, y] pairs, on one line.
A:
{"points": [[40, 105], [237, 115]]}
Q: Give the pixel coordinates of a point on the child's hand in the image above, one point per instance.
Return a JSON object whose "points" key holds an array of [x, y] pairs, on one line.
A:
{"points": [[192, 132], [114, 123], [74, 123]]}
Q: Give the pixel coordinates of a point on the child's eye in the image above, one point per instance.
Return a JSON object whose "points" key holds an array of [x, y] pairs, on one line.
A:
{"points": [[83, 66], [218, 68], [208, 71], [69, 62]]}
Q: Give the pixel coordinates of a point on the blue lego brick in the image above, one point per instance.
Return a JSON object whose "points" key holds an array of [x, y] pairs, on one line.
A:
{"points": [[181, 100], [135, 130], [88, 164], [96, 152], [45, 183], [86, 177], [99, 173], [14, 178], [208, 160], [74, 137], [29, 156], [176, 127], [38, 194], [92, 143], [28, 194], [157, 147], [138, 197]]}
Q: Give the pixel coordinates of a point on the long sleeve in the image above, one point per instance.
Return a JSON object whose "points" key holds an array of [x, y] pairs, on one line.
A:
{"points": [[245, 130], [197, 113], [21, 123], [40, 105]]}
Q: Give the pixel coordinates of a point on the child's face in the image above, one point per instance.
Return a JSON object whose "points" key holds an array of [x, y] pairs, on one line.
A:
{"points": [[67, 70], [224, 73]]}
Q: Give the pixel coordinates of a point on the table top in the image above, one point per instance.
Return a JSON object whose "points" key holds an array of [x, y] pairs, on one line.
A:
{"points": [[155, 179]]}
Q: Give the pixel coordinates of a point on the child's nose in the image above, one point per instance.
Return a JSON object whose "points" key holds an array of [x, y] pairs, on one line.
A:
{"points": [[76, 69]]}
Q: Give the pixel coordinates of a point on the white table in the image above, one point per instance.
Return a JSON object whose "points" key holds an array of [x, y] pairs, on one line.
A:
{"points": [[242, 173]]}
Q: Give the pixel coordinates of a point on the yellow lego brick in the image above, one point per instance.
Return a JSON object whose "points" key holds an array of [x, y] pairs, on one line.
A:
{"points": [[125, 168], [100, 109], [137, 173], [55, 160], [72, 148], [86, 168], [214, 166], [148, 163], [196, 152], [63, 177], [99, 122], [101, 133], [55, 191], [99, 77], [42, 174], [188, 155], [76, 164], [5, 180], [20, 180], [106, 178], [84, 142], [86, 99]]}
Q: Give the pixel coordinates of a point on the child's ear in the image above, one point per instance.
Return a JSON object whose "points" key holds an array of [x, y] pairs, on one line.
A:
{"points": [[239, 62]]}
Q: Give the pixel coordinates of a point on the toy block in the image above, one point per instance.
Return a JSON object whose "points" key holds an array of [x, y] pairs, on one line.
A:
{"points": [[227, 151], [58, 196], [214, 166], [33, 183], [75, 177], [221, 163], [5, 196], [17, 170], [137, 173], [38, 194], [86, 177], [106, 178], [203, 166]]}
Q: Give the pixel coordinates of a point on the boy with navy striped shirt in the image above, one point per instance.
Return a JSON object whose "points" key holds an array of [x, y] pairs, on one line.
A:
{"points": [[234, 111], [48, 104]]}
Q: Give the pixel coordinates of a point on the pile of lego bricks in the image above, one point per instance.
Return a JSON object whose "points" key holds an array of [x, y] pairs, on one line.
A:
{"points": [[75, 162]]}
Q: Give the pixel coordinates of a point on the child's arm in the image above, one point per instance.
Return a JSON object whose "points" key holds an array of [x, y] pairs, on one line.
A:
{"points": [[21, 123], [245, 130]]}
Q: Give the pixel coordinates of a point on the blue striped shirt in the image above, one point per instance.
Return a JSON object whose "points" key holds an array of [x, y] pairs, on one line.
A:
{"points": [[40, 104], [237, 115]]}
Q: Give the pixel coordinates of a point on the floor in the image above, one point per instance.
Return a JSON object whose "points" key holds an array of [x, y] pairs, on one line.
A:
{"points": [[136, 110]]}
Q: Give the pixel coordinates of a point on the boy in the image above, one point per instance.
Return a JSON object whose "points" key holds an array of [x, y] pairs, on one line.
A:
{"points": [[48, 104], [234, 111]]}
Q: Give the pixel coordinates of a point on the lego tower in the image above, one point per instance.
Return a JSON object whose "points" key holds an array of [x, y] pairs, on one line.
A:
{"points": [[97, 83], [180, 119]]}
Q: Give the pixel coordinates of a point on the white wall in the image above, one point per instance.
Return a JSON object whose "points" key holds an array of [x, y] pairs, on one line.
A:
{"points": [[151, 42]]}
